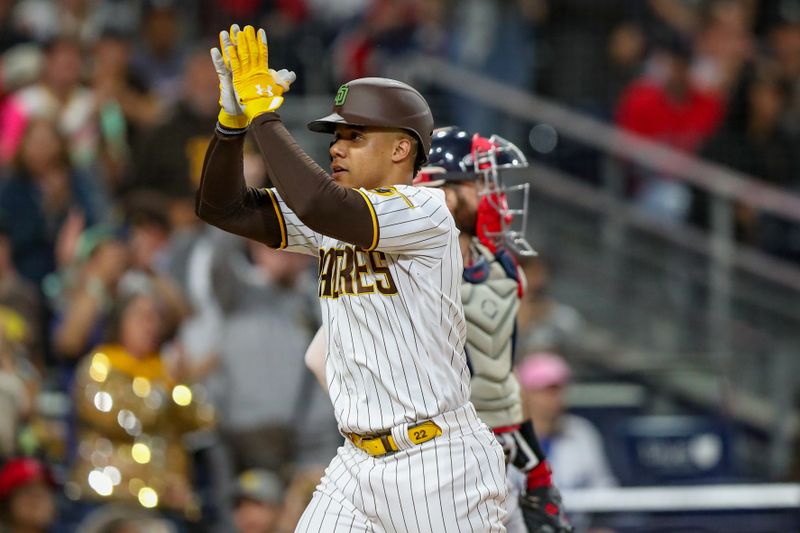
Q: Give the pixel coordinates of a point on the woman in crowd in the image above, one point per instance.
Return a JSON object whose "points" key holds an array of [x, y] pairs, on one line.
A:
{"points": [[132, 415], [44, 188]]}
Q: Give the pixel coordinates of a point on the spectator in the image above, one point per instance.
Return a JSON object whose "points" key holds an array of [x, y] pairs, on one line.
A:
{"points": [[18, 382], [195, 252], [117, 518], [149, 227], [81, 20], [149, 232], [338, 12], [258, 501], [575, 34], [383, 32], [572, 445], [43, 189], [61, 98], [625, 53], [543, 322], [26, 497], [170, 159], [667, 106], [755, 141], [724, 44], [19, 66], [132, 415], [160, 57], [683, 17], [783, 42], [497, 40], [125, 105], [20, 295], [85, 301], [273, 413], [9, 34], [192, 257]]}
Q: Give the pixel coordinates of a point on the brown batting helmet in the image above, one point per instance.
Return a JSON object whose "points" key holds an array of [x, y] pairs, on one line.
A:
{"points": [[384, 103]]}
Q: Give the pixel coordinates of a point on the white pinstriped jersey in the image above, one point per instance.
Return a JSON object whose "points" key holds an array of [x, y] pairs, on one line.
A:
{"points": [[395, 327]]}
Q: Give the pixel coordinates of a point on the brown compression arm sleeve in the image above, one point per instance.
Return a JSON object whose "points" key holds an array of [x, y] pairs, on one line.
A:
{"points": [[323, 205], [224, 199]]}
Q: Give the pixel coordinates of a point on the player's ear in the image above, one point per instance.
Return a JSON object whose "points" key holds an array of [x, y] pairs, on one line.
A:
{"points": [[403, 148]]}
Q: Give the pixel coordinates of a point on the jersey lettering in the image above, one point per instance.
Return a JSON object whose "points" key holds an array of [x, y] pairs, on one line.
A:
{"points": [[346, 269], [362, 269], [351, 271], [379, 266]]}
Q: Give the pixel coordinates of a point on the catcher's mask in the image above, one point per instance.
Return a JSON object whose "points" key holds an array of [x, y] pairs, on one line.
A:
{"points": [[502, 216]]}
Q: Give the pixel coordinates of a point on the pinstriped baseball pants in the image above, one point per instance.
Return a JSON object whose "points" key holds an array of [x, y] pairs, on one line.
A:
{"points": [[453, 483]]}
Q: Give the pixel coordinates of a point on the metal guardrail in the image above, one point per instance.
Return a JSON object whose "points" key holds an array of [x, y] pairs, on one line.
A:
{"points": [[552, 185], [559, 185], [683, 499], [714, 178]]}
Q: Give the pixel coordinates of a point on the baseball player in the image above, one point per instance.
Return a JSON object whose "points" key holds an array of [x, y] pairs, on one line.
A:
{"points": [[467, 168], [416, 456]]}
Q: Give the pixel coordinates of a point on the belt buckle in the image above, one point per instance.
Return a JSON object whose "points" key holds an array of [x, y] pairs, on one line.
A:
{"points": [[374, 446]]}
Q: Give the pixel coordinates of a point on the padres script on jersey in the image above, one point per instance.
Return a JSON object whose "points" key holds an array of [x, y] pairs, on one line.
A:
{"points": [[394, 322]]}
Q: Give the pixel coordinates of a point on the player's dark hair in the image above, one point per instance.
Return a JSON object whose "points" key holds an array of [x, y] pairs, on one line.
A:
{"points": [[419, 156]]}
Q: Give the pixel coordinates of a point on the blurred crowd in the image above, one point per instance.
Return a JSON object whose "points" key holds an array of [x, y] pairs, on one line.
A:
{"points": [[151, 368], [148, 361], [719, 79]]}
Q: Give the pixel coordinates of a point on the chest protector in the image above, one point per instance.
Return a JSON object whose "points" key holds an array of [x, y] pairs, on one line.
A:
{"points": [[490, 296]]}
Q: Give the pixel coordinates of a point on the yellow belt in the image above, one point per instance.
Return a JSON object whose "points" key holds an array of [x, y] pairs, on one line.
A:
{"points": [[383, 444]]}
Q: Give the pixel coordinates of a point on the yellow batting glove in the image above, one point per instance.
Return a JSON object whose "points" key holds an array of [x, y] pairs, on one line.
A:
{"points": [[231, 116], [254, 85]]}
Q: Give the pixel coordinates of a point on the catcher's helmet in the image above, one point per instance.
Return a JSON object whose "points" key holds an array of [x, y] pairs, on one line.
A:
{"points": [[454, 150], [456, 156], [381, 102]]}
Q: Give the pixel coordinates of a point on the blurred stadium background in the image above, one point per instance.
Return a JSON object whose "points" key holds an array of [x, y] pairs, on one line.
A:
{"points": [[664, 145]]}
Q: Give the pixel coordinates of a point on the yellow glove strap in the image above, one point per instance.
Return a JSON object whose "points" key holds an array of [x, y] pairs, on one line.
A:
{"points": [[236, 122], [253, 108]]}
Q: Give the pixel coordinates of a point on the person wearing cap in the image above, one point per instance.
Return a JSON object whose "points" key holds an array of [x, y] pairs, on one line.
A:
{"points": [[258, 501], [572, 444], [26, 498], [416, 456]]}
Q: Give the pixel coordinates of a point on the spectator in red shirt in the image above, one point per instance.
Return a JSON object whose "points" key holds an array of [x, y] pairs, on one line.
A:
{"points": [[666, 105]]}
